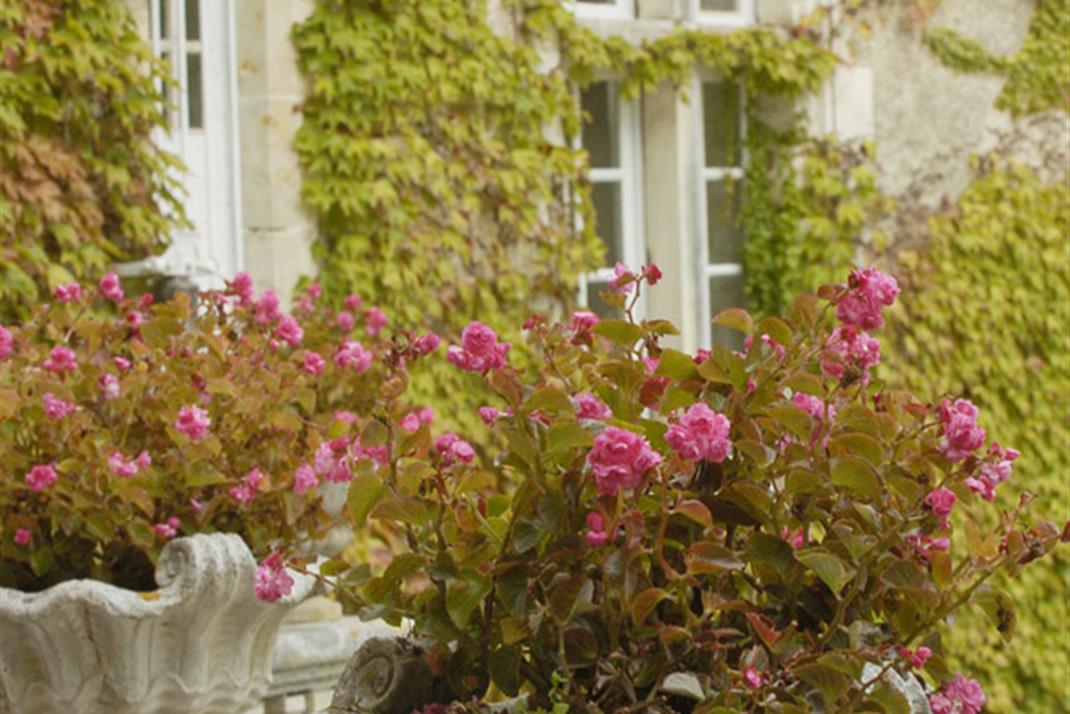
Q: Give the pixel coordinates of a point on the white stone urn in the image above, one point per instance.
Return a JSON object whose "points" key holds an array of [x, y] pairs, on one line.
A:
{"points": [[201, 643]]}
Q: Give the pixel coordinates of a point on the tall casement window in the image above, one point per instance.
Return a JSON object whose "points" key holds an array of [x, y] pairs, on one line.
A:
{"points": [[611, 137], [195, 38], [722, 190], [603, 8], [723, 12]]}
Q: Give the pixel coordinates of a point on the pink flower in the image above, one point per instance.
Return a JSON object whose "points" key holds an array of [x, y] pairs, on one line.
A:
{"points": [[266, 309], [959, 696], [289, 330], [588, 406], [652, 273], [304, 479], [241, 287], [57, 408], [941, 501], [816, 408], [60, 359], [750, 386], [168, 529], [426, 415], [245, 492], [7, 343], [701, 355], [869, 292], [796, 539], [134, 319], [122, 466], [925, 545], [121, 363], [110, 288], [22, 537], [489, 415], [410, 422], [479, 350], [352, 354], [41, 477], [622, 278], [196, 505], [313, 363], [344, 320], [596, 530], [375, 321], [108, 384], [848, 348], [345, 417], [314, 291], [71, 292], [918, 657], [353, 302], [193, 422], [701, 433], [426, 344], [619, 458], [995, 470], [454, 450], [753, 678], [961, 433], [582, 321], [144, 460], [272, 580]]}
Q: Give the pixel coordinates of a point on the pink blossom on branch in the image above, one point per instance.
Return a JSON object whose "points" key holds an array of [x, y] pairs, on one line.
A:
{"points": [[959, 696], [917, 658], [753, 678], [596, 530], [375, 321], [22, 537], [479, 350], [941, 501], [426, 344], [266, 309], [962, 435], [241, 287], [60, 359], [848, 349], [246, 492], [352, 354], [168, 529], [454, 450], [56, 408], [344, 320], [110, 287], [995, 470], [122, 466], [304, 479], [701, 434], [588, 406], [108, 384], [489, 415], [619, 459], [71, 292], [869, 292], [7, 343], [289, 330], [41, 477], [272, 580], [193, 422], [312, 363]]}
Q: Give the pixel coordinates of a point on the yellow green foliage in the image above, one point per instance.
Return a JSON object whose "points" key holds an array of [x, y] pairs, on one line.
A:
{"points": [[81, 186], [985, 311]]}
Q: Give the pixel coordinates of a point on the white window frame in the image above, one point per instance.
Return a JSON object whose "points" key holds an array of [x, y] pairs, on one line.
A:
{"points": [[619, 9], [629, 174], [705, 174], [714, 19]]}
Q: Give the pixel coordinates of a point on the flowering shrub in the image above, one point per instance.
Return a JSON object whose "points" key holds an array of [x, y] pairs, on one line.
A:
{"points": [[118, 434], [736, 531]]}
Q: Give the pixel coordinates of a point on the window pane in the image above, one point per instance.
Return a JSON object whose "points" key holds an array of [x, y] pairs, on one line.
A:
{"points": [[193, 19], [195, 91], [726, 292], [724, 234], [721, 121], [717, 5], [598, 2], [597, 305], [601, 132], [607, 208], [164, 19]]}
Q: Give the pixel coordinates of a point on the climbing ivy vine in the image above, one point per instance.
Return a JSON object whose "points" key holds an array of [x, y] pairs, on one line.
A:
{"points": [[81, 184]]}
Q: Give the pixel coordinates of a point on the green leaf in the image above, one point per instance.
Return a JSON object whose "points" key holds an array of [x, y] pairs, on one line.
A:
{"points": [[364, 493], [858, 444], [706, 558], [858, 476], [567, 435], [621, 332], [830, 568], [696, 511], [764, 548], [404, 510], [568, 592], [646, 601], [464, 594], [550, 400], [504, 668], [889, 699], [775, 328], [794, 419], [736, 319], [832, 683], [676, 364]]}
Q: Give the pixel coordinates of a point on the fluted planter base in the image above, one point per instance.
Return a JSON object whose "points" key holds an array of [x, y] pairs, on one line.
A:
{"points": [[201, 643]]}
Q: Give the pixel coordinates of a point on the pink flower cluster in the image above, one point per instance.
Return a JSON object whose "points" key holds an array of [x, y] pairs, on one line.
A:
{"points": [[241, 287], [412, 421], [869, 292], [41, 477], [454, 449], [962, 435], [925, 545], [193, 422], [754, 679], [60, 359], [108, 384], [995, 470], [312, 363], [941, 501], [426, 344], [288, 330], [773, 345], [847, 348], [56, 408], [245, 492], [7, 343], [816, 408], [266, 309], [795, 538], [917, 658], [619, 459], [489, 415], [588, 406], [375, 321], [701, 433], [168, 529], [305, 479], [22, 537], [582, 321], [110, 287], [352, 354], [272, 580], [71, 292], [333, 460], [479, 350], [959, 696], [128, 468]]}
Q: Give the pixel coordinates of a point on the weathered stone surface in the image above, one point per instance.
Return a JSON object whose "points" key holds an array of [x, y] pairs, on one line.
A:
{"points": [[385, 676], [201, 643]]}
